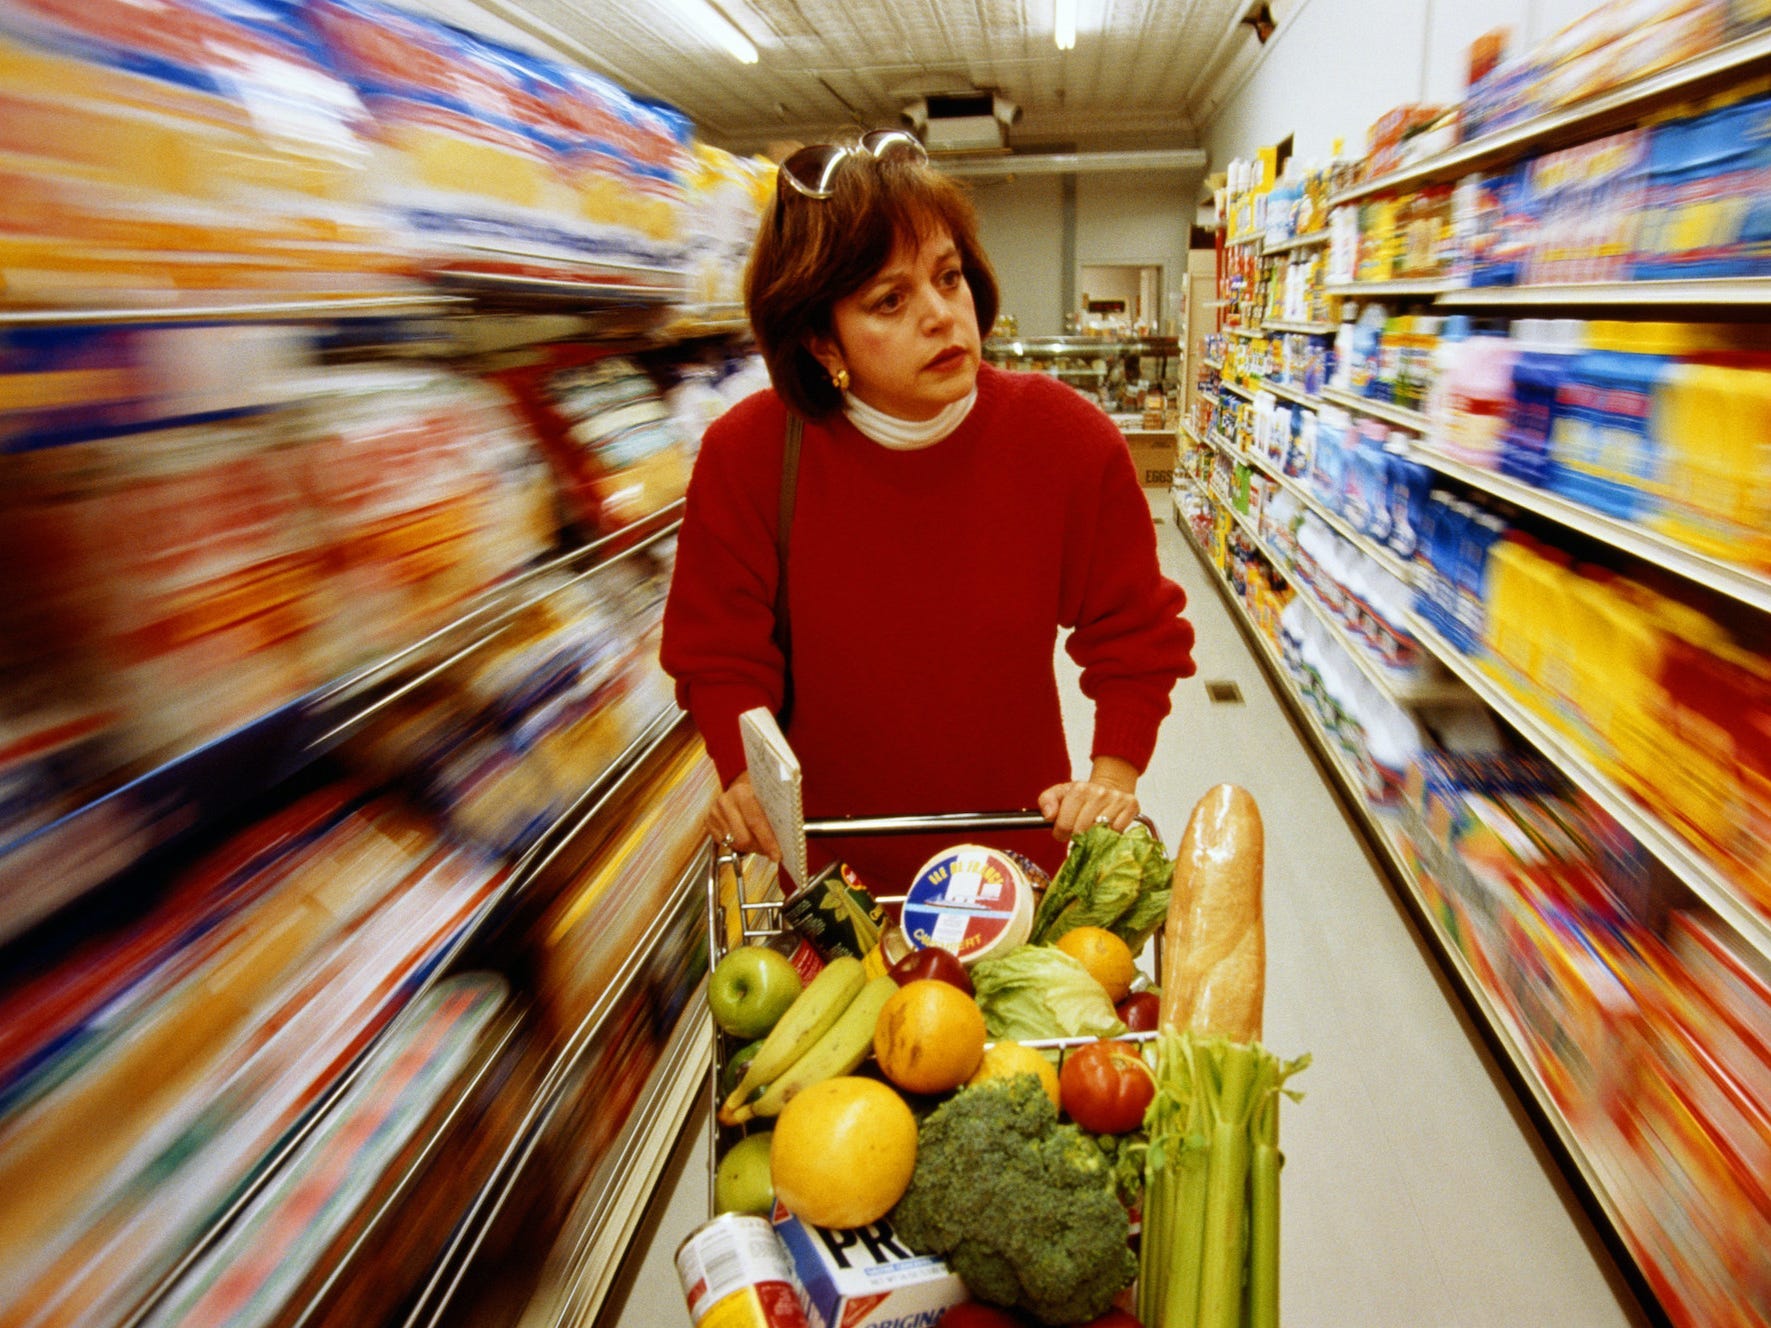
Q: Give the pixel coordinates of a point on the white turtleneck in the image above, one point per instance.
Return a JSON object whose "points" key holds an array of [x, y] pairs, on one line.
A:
{"points": [[906, 435]]}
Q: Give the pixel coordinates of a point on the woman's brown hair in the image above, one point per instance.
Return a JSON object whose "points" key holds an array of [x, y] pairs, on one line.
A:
{"points": [[810, 253]]}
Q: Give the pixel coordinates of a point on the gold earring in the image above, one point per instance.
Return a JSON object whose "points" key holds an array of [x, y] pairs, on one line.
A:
{"points": [[840, 380]]}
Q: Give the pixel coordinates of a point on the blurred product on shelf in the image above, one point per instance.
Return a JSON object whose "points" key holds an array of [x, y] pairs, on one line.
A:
{"points": [[601, 913], [423, 1121], [1653, 690], [268, 551], [616, 449], [1678, 199], [1606, 48], [153, 1068], [488, 159], [500, 745], [727, 199], [1651, 1045], [211, 152]]}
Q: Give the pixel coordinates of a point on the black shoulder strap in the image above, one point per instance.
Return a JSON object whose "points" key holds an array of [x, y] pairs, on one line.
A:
{"points": [[783, 530]]}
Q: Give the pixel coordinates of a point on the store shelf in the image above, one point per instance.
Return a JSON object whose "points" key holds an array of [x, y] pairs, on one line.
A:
{"points": [[1384, 836], [607, 1214], [1236, 389], [1404, 692], [1368, 290], [1314, 240], [1189, 431], [1053, 346], [391, 305], [1725, 578], [1242, 241], [1590, 118], [1690, 864], [1286, 393], [1748, 291], [1215, 365], [1307, 329], [48, 868], [1385, 558], [1400, 416], [1247, 334]]}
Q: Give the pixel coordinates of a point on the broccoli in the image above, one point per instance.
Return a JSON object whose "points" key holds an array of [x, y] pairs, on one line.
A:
{"points": [[1021, 1207]]}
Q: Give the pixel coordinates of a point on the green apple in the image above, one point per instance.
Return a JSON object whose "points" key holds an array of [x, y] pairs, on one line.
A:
{"points": [[742, 1184], [735, 1067], [750, 989]]}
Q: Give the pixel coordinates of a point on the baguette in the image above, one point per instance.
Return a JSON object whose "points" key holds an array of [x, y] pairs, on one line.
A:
{"points": [[1214, 952]]}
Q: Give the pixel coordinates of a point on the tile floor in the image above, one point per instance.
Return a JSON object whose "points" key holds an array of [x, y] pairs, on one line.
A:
{"points": [[1416, 1195]]}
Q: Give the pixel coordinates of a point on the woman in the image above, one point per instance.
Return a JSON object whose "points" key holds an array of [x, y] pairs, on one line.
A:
{"points": [[947, 520]]}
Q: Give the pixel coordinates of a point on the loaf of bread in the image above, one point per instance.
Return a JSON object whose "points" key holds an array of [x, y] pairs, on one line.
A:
{"points": [[1214, 953]]}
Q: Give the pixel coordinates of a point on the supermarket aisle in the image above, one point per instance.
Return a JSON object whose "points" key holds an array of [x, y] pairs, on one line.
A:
{"points": [[1415, 1197]]}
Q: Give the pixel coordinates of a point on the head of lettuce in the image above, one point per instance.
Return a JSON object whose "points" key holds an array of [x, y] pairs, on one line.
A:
{"points": [[1120, 882]]}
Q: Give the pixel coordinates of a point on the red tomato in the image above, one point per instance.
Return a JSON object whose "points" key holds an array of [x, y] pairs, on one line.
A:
{"points": [[1140, 1012], [971, 1314], [932, 962], [1106, 1086]]}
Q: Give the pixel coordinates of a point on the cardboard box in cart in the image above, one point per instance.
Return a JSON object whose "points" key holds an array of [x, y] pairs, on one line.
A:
{"points": [[865, 1278]]}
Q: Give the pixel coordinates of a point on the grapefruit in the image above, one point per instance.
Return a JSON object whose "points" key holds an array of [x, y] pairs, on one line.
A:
{"points": [[843, 1152], [1005, 1060], [930, 1037], [1108, 959]]}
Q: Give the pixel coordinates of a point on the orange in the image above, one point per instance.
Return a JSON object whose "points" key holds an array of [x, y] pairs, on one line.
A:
{"points": [[1005, 1060], [843, 1152], [1108, 959], [930, 1037]]}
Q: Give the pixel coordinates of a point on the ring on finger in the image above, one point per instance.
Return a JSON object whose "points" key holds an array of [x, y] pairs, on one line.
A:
{"points": [[1103, 819], [728, 839]]}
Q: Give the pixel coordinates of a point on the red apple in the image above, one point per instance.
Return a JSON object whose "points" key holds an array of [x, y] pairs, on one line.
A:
{"points": [[932, 962], [972, 1314], [1140, 1012]]}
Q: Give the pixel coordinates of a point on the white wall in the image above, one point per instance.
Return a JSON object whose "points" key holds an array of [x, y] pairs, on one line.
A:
{"points": [[1121, 217], [1021, 222], [1335, 66]]}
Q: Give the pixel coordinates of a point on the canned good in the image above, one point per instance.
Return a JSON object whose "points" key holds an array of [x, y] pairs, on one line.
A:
{"points": [[735, 1275], [838, 915]]}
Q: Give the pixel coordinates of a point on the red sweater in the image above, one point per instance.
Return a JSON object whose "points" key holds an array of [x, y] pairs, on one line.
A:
{"points": [[927, 589]]}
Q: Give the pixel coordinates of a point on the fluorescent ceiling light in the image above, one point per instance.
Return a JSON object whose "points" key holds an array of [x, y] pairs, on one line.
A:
{"points": [[1065, 26], [713, 26]]}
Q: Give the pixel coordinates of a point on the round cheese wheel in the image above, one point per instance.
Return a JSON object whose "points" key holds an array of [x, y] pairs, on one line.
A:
{"points": [[972, 900]]}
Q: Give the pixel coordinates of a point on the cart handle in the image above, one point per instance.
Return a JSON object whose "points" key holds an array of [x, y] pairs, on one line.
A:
{"points": [[919, 825]]}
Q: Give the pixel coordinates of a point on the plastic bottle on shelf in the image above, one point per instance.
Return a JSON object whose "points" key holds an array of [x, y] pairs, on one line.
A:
{"points": [[1410, 483], [1714, 492], [1604, 451], [1365, 344], [1547, 348], [1481, 534], [1301, 450], [1478, 398], [1345, 336]]}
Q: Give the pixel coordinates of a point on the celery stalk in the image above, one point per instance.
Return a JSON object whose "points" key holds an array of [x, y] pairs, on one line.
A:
{"points": [[1186, 1243], [1220, 1284], [1263, 1220]]}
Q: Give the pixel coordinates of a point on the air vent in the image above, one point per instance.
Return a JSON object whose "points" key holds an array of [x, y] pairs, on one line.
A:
{"points": [[1221, 692]]}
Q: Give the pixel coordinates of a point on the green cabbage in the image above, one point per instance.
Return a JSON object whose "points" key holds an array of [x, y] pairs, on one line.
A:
{"points": [[1034, 991]]}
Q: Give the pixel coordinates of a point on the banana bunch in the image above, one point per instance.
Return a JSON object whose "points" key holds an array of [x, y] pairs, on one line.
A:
{"points": [[826, 1032]]}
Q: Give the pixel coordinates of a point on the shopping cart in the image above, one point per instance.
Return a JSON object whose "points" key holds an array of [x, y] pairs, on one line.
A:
{"points": [[734, 918]]}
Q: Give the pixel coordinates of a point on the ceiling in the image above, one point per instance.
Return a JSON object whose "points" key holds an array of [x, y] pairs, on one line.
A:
{"points": [[826, 64]]}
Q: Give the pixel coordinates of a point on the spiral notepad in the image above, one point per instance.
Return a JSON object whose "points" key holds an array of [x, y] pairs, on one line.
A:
{"points": [[775, 775]]}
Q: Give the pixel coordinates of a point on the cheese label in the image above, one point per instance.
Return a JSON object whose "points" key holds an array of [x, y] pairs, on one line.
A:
{"points": [[971, 900]]}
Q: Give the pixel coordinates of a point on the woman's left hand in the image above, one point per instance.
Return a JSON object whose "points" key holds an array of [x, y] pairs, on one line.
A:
{"points": [[1107, 797]]}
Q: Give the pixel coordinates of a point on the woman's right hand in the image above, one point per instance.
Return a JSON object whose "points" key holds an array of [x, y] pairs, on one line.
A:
{"points": [[737, 822]]}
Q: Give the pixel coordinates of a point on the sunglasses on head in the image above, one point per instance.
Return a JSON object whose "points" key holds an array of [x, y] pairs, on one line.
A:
{"points": [[811, 172]]}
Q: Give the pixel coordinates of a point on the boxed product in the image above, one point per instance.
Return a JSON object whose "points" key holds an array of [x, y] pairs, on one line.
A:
{"points": [[1153, 456], [863, 1277]]}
